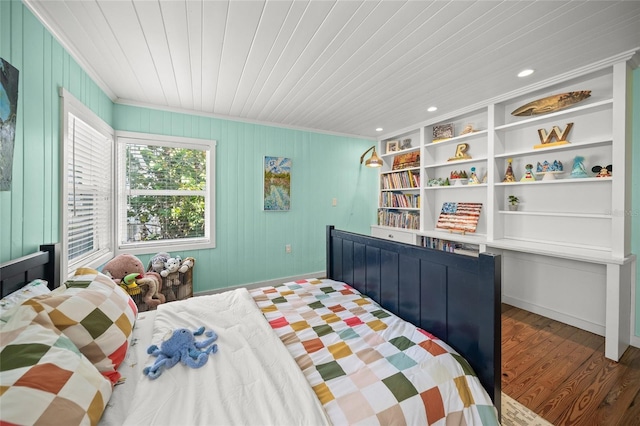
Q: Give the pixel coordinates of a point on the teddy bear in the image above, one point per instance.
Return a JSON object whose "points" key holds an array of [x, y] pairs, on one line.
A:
{"points": [[183, 347], [170, 271], [124, 265]]}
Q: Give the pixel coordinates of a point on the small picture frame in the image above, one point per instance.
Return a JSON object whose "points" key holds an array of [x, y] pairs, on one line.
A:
{"points": [[442, 132], [393, 146]]}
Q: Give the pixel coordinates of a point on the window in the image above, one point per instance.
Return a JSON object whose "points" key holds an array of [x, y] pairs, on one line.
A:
{"points": [[165, 193], [87, 187]]}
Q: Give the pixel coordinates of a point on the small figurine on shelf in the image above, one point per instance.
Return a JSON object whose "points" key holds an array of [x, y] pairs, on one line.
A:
{"points": [[549, 170], [578, 170], [459, 177], [473, 179], [508, 176], [602, 171], [467, 129], [528, 175], [544, 167]]}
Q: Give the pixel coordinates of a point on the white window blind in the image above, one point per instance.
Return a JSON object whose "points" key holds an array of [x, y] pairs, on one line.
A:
{"points": [[87, 217], [89, 201]]}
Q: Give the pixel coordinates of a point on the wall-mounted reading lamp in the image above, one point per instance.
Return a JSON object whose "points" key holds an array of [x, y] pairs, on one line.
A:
{"points": [[374, 161]]}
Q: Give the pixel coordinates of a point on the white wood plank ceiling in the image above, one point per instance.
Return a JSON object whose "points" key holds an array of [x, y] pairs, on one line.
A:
{"points": [[337, 66]]}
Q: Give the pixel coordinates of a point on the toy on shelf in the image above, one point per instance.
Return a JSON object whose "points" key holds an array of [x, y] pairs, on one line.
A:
{"points": [[602, 171], [459, 178], [578, 170], [528, 175], [550, 170], [473, 178], [508, 176]]}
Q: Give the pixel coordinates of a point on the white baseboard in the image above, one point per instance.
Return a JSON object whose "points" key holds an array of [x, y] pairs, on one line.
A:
{"points": [[555, 315], [264, 283]]}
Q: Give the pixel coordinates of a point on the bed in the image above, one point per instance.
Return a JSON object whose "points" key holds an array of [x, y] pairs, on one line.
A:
{"points": [[314, 351]]}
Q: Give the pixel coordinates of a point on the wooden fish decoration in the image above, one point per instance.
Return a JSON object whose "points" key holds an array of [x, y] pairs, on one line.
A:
{"points": [[552, 103]]}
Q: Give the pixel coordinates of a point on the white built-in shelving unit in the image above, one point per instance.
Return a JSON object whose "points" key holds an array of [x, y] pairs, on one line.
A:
{"points": [[569, 241]]}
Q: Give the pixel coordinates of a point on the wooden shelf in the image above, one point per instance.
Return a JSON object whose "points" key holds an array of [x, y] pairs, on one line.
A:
{"points": [[565, 251]]}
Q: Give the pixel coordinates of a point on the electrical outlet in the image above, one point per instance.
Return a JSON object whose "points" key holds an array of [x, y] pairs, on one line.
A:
{"points": [[287, 248]]}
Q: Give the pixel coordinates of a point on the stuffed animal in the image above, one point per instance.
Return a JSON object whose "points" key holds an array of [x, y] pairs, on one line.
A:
{"points": [[171, 265], [181, 346], [130, 285], [187, 264], [126, 264], [156, 264]]}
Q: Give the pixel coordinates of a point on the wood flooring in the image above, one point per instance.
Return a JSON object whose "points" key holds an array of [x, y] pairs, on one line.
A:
{"points": [[560, 372]]}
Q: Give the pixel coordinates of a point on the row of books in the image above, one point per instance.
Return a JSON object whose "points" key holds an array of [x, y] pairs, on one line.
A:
{"points": [[397, 219], [398, 199], [397, 180], [450, 246]]}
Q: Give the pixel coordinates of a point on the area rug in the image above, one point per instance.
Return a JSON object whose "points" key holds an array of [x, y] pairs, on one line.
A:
{"points": [[516, 414]]}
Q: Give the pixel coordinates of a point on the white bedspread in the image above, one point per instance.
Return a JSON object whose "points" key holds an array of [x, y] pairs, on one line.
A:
{"points": [[251, 380]]}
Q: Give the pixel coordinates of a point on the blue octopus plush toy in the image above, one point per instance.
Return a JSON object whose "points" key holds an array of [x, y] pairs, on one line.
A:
{"points": [[181, 346]]}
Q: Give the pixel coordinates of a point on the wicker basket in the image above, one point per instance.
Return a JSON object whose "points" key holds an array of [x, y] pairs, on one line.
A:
{"points": [[176, 286]]}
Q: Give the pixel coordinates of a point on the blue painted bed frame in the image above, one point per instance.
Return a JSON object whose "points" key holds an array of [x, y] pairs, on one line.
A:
{"points": [[454, 297], [43, 264]]}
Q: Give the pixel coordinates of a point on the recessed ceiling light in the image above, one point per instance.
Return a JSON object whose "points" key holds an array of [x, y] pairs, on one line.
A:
{"points": [[525, 73], [379, 129], [431, 109]]}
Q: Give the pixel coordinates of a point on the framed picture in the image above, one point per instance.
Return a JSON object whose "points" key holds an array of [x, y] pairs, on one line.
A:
{"points": [[277, 184], [393, 146], [8, 114], [442, 132]]}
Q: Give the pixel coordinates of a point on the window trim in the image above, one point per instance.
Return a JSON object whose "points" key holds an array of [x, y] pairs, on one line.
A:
{"points": [[207, 242], [69, 104]]}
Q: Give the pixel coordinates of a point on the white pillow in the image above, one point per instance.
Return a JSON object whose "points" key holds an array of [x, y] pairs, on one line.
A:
{"points": [[32, 289]]}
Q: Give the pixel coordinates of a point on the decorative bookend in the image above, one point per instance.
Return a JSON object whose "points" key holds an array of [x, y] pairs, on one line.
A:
{"points": [[555, 133]]}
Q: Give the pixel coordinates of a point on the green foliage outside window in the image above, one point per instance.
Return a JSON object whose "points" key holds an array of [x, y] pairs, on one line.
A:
{"points": [[165, 192]]}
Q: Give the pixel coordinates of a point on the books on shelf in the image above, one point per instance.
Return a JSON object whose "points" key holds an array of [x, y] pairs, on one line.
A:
{"points": [[399, 219], [399, 199], [451, 246], [400, 180]]}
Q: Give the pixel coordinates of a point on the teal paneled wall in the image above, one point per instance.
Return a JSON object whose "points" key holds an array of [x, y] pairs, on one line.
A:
{"points": [[250, 243], [29, 212], [635, 188]]}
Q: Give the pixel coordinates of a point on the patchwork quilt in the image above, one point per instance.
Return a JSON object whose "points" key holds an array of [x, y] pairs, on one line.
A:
{"points": [[366, 365]]}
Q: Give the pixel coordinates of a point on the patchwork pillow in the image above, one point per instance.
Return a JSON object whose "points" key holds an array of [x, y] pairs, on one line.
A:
{"points": [[44, 378], [95, 313], [32, 289]]}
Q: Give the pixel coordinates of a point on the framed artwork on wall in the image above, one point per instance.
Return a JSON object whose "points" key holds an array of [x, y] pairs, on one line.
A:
{"points": [[8, 114], [277, 184]]}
